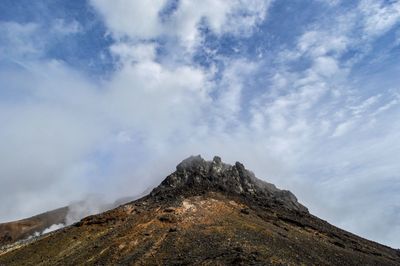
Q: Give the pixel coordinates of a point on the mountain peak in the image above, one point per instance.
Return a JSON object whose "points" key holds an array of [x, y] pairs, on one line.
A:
{"points": [[204, 213], [195, 175]]}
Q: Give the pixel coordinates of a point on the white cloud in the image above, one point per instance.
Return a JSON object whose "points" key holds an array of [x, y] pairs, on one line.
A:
{"points": [[229, 101], [387, 106], [362, 107], [22, 42], [343, 128], [330, 2], [127, 52], [141, 20], [379, 16], [137, 19], [326, 66], [19, 40], [50, 134], [320, 43], [61, 26], [221, 16]]}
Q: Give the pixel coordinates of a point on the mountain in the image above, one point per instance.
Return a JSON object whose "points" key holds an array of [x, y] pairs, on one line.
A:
{"points": [[205, 213], [17, 230], [33, 226]]}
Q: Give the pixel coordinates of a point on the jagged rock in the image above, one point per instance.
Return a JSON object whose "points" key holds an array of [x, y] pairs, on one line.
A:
{"points": [[195, 175]]}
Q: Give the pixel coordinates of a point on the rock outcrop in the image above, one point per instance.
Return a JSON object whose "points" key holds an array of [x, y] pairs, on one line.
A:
{"points": [[195, 176]]}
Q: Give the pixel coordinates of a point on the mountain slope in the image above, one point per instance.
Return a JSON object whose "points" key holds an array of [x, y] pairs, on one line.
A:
{"points": [[17, 230], [206, 213], [29, 227]]}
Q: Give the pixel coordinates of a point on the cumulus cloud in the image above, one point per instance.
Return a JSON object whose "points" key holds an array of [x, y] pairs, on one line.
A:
{"points": [[131, 18], [235, 17], [139, 20]]}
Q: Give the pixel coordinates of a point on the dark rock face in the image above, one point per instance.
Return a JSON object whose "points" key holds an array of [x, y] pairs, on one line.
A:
{"points": [[195, 175]]}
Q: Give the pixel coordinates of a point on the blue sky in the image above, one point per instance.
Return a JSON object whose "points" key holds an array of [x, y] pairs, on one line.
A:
{"points": [[107, 97]]}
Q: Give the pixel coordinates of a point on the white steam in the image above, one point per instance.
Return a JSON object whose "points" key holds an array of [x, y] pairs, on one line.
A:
{"points": [[52, 228]]}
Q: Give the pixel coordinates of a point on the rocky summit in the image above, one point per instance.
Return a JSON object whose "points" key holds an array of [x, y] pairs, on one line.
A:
{"points": [[194, 176], [205, 213]]}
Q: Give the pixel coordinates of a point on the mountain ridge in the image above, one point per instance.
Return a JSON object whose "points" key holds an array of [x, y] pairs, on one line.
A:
{"points": [[196, 175], [204, 213]]}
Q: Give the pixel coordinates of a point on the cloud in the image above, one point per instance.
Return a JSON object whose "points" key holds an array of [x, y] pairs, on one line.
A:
{"points": [[313, 110], [235, 17], [60, 26], [22, 42], [319, 43], [330, 2], [304, 115], [343, 128], [50, 134], [126, 52], [19, 39], [131, 18], [326, 66], [143, 21], [379, 16], [229, 92]]}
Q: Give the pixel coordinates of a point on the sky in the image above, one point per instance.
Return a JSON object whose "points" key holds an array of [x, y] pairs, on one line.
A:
{"points": [[105, 97]]}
